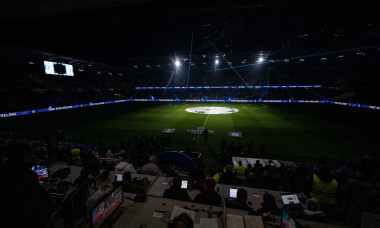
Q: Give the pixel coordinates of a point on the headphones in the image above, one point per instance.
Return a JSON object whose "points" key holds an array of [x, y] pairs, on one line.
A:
{"points": [[184, 218]]}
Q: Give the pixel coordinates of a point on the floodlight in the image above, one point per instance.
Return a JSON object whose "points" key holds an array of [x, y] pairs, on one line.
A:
{"points": [[261, 59], [216, 61], [177, 63]]}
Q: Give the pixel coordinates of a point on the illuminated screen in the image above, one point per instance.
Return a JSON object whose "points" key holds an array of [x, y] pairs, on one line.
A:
{"points": [[290, 199], [106, 207], [233, 192], [119, 177], [184, 184], [288, 222], [41, 171], [58, 68]]}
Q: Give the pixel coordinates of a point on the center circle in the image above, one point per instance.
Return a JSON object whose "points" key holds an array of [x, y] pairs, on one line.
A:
{"points": [[212, 110]]}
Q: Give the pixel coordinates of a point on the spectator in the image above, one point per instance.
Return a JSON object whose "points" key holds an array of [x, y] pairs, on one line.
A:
{"points": [[84, 155], [75, 155], [125, 166], [341, 176], [269, 205], [323, 187], [262, 151], [109, 154], [176, 192], [198, 176], [271, 177], [258, 168], [240, 171], [94, 153], [217, 175], [362, 196], [248, 170], [229, 177], [183, 221], [134, 186], [21, 194], [300, 171], [104, 181], [150, 168], [83, 178], [240, 202], [313, 211], [208, 195], [250, 149]]}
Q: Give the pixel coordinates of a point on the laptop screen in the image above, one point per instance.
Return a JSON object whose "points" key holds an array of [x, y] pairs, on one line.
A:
{"points": [[105, 207], [41, 171], [288, 222], [290, 199], [233, 192], [119, 177], [184, 184]]}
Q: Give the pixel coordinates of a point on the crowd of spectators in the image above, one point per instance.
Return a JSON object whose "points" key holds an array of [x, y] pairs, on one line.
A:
{"points": [[331, 193], [335, 192], [24, 91]]}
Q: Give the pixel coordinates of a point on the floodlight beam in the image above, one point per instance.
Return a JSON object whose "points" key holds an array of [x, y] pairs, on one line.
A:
{"points": [[191, 50], [228, 63], [302, 57]]}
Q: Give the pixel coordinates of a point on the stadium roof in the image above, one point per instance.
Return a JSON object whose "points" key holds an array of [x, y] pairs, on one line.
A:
{"points": [[115, 31]]}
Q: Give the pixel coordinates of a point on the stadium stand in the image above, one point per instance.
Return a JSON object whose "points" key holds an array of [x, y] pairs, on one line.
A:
{"points": [[97, 175]]}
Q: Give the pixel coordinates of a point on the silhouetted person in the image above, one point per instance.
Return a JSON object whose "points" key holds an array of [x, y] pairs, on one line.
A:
{"points": [[262, 151], [205, 133], [229, 177], [150, 168], [208, 195], [21, 194], [240, 202], [176, 192]]}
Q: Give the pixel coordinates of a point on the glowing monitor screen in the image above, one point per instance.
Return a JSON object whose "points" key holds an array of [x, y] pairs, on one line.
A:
{"points": [[288, 222], [41, 171], [106, 207], [58, 68], [290, 199], [233, 192], [119, 177], [184, 184]]}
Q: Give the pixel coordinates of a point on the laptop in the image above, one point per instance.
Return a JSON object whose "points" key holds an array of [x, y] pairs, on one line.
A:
{"points": [[287, 221], [291, 203], [233, 193], [184, 184], [289, 198], [118, 177]]}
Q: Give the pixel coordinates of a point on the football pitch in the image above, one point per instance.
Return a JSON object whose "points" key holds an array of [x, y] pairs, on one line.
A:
{"points": [[299, 132]]}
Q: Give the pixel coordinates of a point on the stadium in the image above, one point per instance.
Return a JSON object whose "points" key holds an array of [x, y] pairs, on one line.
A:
{"points": [[202, 91]]}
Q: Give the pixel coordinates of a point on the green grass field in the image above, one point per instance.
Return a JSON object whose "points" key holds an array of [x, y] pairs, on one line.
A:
{"points": [[299, 132]]}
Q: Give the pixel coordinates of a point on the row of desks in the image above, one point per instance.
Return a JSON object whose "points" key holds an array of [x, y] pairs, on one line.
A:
{"points": [[255, 195], [158, 185], [135, 214]]}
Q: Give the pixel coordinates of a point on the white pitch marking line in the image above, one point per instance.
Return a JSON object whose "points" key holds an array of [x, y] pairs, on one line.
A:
{"points": [[206, 120], [203, 125]]}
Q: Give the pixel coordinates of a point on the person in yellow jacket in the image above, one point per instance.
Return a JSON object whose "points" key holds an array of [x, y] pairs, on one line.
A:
{"points": [[324, 186], [240, 171], [217, 175], [75, 154]]}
